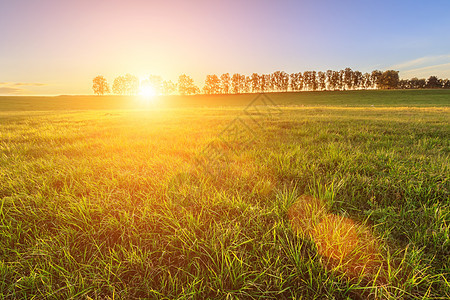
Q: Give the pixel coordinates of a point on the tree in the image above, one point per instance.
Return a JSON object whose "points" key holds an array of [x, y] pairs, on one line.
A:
{"points": [[255, 83], [348, 78], [168, 87], [313, 80], [264, 82], [225, 83], [330, 81], [307, 80], [446, 84], [131, 84], [100, 85], [247, 84], [375, 78], [212, 85], [119, 86], [389, 79], [404, 84], [367, 80], [433, 83], [335, 79], [357, 79], [283, 81], [321, 80], [186, 85], [296, 81], [237, 83]]}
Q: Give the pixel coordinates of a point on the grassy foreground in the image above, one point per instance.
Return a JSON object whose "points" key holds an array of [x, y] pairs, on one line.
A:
{"points": [[125, 204]]}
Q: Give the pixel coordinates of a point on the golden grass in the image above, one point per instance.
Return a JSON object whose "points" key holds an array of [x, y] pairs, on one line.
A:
{"points": [[345, 246]]}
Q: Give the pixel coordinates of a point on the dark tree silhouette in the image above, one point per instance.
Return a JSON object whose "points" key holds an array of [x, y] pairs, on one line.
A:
{"points": [[321, 80], [389, 79], [446, 84], [375, 78], [225, 83], [433, 82], [295, 81], [256, 86], [357, 79], [348, 79]]}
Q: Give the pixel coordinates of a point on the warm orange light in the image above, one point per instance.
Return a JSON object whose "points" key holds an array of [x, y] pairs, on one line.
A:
{"points": [[147, 91]]}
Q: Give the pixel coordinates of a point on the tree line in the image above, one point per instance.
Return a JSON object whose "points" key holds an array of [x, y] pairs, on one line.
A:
{"points": [[278, 81]]}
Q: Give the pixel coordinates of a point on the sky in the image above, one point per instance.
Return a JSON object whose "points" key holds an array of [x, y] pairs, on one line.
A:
{"points": [[53, 47]]}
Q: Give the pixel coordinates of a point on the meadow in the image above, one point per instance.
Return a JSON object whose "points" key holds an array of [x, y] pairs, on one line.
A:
{"points": [[203, 197]]}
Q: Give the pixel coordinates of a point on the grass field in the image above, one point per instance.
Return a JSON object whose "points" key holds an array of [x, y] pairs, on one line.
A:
{"points": [[201, 200]]}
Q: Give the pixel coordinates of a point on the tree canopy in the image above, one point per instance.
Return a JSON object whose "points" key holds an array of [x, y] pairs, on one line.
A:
{"points": [[278, 81]]}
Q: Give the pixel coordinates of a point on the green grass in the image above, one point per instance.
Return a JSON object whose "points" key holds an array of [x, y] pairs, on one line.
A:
{"points": [[117, 204], [337, 98]]}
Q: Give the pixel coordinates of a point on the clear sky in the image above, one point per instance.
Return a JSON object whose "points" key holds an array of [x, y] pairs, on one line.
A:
{"points": [[58, 46]]}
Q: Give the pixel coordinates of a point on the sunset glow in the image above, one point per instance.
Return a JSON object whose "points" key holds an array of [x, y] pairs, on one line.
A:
{"points": [[56, 47], [147, 91]]}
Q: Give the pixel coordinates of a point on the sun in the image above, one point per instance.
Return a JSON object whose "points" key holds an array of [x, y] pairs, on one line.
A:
{"points": [[147, 91]]}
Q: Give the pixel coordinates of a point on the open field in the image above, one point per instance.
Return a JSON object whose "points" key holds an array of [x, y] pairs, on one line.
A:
{"points": [[100, 200], [397, 98]]}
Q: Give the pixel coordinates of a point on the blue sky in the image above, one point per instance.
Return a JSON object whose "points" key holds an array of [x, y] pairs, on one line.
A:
{"points": [[57, 47]]}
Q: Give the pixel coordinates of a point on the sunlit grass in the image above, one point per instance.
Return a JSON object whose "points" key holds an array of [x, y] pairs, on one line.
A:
{"points": [[115, 204]]}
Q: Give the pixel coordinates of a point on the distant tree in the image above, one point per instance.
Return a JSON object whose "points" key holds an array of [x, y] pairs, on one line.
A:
{"points": [[313, 79], [348, 79], [375, 78], [341, 77], [100, 85], [242, 83], [357, 80], [186, 85], [434, 83], [279, 81], [225, 83], [404, 84], [284, 81], [336, 80], [389, 79], [414, 83], [296, 81], [367, 81], [212, 85], [446, 84], [255, 83], [131, 84], [119, 85], [307, 80], [321, 80], [264, 83], [237, 83], [168, 87], [247, 88], [330, 83], [274, 78]]}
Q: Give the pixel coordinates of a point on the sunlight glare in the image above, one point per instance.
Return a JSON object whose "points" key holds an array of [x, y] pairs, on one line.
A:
{"points": [[147, 91]]}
